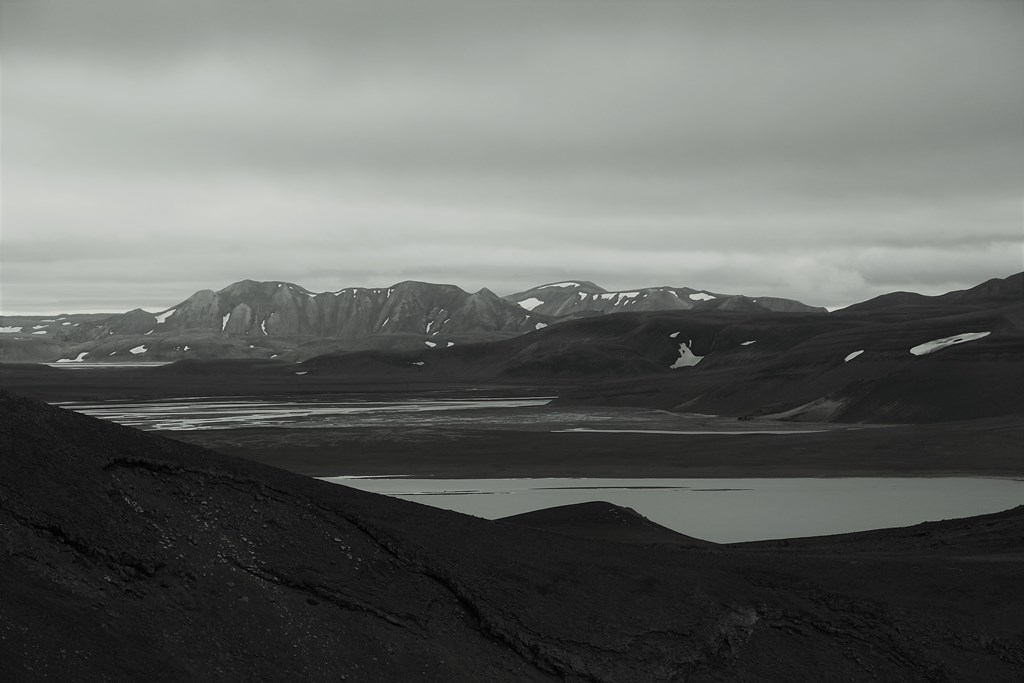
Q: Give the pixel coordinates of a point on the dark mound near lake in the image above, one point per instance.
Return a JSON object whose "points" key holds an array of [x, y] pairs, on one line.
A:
{"points": [[603, 521], [127, 556]]}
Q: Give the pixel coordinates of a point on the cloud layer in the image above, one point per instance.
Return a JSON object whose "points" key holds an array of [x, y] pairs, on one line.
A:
{"points": [[822, 150]]}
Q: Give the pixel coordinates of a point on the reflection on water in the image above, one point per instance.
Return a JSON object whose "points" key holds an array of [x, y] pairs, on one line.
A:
{"points": [[202, 413], [724, 510], [476, 412]]}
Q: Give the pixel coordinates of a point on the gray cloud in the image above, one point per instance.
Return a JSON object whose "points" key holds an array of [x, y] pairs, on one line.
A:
{"points": [[822, 150]]}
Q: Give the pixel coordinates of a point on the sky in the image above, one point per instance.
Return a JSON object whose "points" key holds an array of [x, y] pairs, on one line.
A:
{"points": [[820, 150]]}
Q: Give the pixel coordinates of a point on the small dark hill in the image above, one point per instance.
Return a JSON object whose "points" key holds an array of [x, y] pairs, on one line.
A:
{"points": [[603, 521]]}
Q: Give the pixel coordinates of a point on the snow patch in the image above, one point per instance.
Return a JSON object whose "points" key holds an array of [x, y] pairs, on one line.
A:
{"points": [[561, 284], [224, 322], [530, 304], [162, 317], [186, 348], [66, 323], [141, 348], [419, 362], [451, 344], [38, 327], [702, 296], [937, 344], [748, 343], [79, 359], [430, 344], [263, 326], [686, 358], [44, 332], [674, 335], [852, 356], [540, 326], [9, 330], [303, 372]]}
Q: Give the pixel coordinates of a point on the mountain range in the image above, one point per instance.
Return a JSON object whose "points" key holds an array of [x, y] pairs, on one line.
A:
{"points": [[273, 319]]}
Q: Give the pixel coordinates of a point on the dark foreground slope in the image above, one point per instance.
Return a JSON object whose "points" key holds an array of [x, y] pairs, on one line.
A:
{"points": [[130, 556]]}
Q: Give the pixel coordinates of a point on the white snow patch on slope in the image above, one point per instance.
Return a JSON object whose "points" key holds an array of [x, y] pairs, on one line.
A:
{"points": [[164, 316], [67, 323], [561, 284], [674, 335], [304, 372], [263, 326], [9, 330], [79, 359], [936, 344], [702, 296], [451, 343], [628, 295], [419, 362], [430, 344], [43, 332], [186, 348], [530, 304], [139, 349], [224, 322], [540, 326], [38, 327], [748, 343], [686, 358], [852, 356]]}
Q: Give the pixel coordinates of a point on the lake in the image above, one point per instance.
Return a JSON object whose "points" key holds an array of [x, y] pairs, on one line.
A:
{"points": [[725, 510]]}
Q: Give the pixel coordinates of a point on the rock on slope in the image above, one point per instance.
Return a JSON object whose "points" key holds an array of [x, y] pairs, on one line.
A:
{"points": [[130, 556]]}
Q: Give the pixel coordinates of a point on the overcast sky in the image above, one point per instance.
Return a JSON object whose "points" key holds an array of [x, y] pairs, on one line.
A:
{"points": [[825, 151]]}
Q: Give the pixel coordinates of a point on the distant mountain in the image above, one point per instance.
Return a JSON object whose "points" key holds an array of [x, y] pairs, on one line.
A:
{"points": [[253, 308], [577, 298], [959, 358], [997, 290]]}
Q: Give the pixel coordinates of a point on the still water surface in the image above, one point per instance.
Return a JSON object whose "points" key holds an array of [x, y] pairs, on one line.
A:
{"points": [[725, 510]]}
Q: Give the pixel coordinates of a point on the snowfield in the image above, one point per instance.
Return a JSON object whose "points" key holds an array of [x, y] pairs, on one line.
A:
{"points": [[9, 330], [530, 304], [702, 296], [852, 356], [138, 349], [686, 358], [79, 359], [162, 317], [938, 344]]}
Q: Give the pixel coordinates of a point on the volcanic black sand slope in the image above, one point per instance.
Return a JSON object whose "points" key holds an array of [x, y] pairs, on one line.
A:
{"points": [[128, 556]]}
